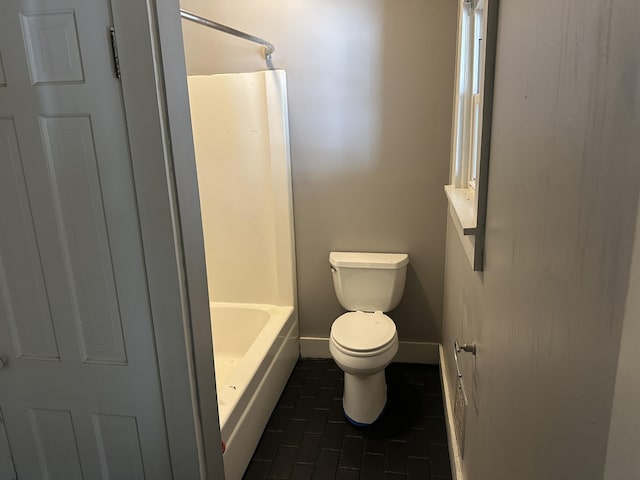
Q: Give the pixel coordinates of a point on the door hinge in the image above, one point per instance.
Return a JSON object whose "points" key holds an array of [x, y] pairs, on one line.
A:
{"points": [[114, 52]]}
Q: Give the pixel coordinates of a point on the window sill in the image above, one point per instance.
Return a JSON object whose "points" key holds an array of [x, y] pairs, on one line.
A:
{"points": [[462, 209]]}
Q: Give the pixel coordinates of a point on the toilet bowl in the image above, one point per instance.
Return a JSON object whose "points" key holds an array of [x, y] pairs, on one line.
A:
{"points": [[363, 354], [364, 341]]}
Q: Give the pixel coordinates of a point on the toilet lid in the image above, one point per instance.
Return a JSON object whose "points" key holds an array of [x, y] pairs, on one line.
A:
{"points": [[361, 332]]}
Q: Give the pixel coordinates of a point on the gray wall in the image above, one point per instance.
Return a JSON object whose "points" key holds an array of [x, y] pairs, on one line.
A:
{"points": [[563, 196], [370, 100], [623, 460]]}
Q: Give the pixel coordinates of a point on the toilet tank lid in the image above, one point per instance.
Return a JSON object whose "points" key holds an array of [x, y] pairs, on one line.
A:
{"points": [[389, 261]]}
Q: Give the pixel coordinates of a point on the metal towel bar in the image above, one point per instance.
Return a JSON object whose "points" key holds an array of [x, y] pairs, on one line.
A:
{"points": [[460, 401]]}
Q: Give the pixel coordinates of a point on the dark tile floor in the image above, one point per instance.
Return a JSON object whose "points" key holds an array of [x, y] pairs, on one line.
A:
{"points": [[307, 436]]}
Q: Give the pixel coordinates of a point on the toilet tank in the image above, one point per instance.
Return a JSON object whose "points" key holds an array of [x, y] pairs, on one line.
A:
{"points": [[369, 282]]}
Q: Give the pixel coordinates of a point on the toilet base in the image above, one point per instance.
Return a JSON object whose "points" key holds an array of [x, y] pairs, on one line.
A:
{"points": [[364, 397]]}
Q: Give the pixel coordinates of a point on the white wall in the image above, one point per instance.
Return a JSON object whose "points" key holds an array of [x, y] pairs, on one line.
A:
{"points": [[370, 96], [547, 312]]}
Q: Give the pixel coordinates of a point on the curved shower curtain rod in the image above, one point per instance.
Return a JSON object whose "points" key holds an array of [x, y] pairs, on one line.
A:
{"points": [[268, 47]]}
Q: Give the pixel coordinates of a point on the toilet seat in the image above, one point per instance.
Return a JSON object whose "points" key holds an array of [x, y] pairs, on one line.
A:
{"points": [[363, 334]]}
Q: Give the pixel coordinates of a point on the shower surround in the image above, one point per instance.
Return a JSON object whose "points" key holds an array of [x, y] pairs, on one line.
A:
{"points": [[241, 138]]}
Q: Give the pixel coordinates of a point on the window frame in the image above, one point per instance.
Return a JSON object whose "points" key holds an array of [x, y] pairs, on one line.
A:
{"points": [[471, 128]]}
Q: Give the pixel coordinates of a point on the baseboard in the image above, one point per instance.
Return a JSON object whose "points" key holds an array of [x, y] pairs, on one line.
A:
{"points": [[454, 452], [418, 352], [314, 347], [408, 352]]}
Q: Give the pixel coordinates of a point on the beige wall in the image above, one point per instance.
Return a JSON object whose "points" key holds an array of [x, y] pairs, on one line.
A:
{"points": [[370, 96], [563, 196]]}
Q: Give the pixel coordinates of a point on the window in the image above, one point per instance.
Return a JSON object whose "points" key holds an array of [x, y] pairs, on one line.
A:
{"points": [[470, 149]]}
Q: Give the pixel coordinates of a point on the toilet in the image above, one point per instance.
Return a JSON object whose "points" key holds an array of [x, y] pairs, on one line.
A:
{"points": [[364, 340]]}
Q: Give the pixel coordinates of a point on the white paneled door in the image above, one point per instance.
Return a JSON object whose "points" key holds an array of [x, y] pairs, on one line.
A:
{"points": [[79, 386]]}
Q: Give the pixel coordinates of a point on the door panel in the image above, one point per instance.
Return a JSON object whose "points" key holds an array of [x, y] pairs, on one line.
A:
{"points": [[7, 470], [3, 81], [52, 47], [81, 396], [24, 301], [56, 443], [75, 183], [118, 444]]}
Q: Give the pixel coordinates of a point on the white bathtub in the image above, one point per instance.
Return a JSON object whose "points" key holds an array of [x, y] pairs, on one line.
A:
{"points": [[241, 138], [255, 349]]}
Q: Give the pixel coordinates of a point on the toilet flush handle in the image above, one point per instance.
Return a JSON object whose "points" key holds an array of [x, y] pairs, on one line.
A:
{"points": [[333, 269]]}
